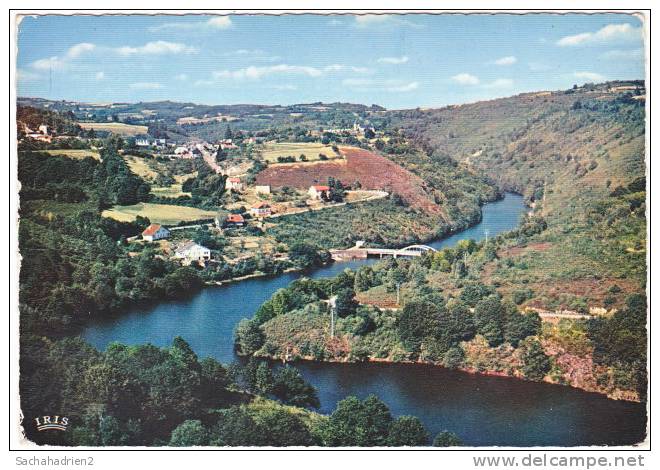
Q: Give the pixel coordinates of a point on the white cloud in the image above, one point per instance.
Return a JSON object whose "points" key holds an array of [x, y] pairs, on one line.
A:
{"points": [[508, 60], [99, 75], [145, 86], [257, 72], [26, 76], [157, 48], [609, 33], [53, 62], [182, 77], [393, 60], [217, 22], [220, 22], [368, 21], [499, 83], [632, 54], [57, 62], [589, 76], [368, 84], [252, 54], [287, 87], [80, 49], [465, 79], [345, 68], [404, 88]]}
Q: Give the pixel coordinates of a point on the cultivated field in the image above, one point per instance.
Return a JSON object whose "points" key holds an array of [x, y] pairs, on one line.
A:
{"points": [[311, 150], [78, 154], [160, 213], [115, 127], [371, 170]]}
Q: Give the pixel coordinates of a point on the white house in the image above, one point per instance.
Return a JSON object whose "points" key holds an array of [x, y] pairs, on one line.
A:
{"points": [[260, 209], [318, 192], [234, 183], [142, 142], [191, 252], [155, 232], [262, 189]]}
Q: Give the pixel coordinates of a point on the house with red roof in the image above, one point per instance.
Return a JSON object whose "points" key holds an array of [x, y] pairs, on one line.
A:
{"points": [[261, 209], [155, 232], [234, 183], [318, 192], [234, 220]]}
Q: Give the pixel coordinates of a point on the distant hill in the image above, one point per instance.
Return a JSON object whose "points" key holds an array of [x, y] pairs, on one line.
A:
{"points": [[579, 158]]}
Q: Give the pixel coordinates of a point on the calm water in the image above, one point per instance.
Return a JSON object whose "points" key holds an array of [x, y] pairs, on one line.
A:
{"points": [[481, 410]]}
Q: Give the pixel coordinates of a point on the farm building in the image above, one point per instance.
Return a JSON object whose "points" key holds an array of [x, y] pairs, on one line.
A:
{"points": [[234, 220], [191, 252], [155, 232], [318, 192], [41, 135], [227, 144], [234, 183], [260, 209]]}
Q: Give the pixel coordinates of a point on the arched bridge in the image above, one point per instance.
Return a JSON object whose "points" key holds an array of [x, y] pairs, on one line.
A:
{"points": [[361, 252]]}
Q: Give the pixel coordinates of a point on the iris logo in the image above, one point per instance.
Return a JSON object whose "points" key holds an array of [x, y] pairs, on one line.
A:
{"points": [[57, 423]]}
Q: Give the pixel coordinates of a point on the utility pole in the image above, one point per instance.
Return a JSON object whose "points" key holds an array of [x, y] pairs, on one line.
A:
{"points": [[333, 305], [398, 290]]}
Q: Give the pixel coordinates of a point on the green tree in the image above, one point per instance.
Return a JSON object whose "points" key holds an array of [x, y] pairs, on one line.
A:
{"points": [[536, 364], [190, 433], [488, 319], [446, 439], [407, 431], [474, 292], [263, 379], [520, 326], [357, 423], [364, 279], [235, 427], [419, 319], [282, 428], [249, 337], [290, 387], [345, 303]]}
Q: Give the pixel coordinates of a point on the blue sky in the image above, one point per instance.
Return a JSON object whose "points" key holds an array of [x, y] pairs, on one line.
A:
{"points": [[392, 60]]}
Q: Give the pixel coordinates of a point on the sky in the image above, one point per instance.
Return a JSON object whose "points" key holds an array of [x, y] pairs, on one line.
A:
{"points": [[396, 61]]}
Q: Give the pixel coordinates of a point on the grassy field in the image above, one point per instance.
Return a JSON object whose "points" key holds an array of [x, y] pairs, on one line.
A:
{"points": [[140, 167], [311, 150], [84, 153], [173, 191], [115, 127], [159, 213]]}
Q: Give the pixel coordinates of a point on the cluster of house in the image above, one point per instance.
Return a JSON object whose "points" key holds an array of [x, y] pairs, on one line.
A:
{"points": [[192, 150], [357, 130], [188, 252], [158, 143], [41, 134]]}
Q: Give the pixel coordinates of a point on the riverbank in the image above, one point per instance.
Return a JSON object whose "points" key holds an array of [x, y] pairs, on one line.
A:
{"points": [[619, 395], [541, 414]]}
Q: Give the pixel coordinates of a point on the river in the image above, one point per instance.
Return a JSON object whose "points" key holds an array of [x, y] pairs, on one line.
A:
{"points": [[482, 410]]}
